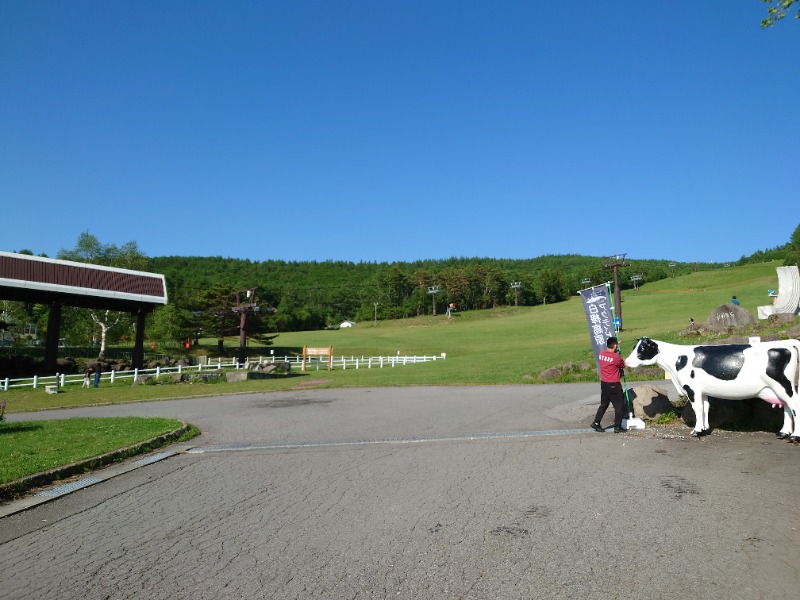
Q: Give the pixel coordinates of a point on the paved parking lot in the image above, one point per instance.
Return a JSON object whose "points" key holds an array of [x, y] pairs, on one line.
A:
{"points": [[489, 492]]}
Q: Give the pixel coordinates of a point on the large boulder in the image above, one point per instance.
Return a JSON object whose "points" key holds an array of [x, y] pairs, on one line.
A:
{"points": [[277, 368], [649, 401], [730, 317]]}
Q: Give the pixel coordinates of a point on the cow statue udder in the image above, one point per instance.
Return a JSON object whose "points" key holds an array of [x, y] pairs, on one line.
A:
{"points": [[767, 370]]}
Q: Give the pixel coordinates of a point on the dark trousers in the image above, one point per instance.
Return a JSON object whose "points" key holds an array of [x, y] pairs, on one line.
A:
{"points": [[611, 392]]}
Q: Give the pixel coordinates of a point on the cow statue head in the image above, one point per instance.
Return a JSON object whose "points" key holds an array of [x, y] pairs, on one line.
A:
{"points": [[644, 353]]}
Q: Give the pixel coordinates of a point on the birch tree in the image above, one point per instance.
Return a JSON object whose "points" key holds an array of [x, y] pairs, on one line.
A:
{"points": [[89, 250]]}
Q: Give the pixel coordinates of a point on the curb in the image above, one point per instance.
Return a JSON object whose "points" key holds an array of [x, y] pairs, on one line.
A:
{"points": [[13, 490]]}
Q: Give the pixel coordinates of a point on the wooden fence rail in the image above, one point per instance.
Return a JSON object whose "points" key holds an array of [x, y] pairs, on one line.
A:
{"points": [[59, 380]]}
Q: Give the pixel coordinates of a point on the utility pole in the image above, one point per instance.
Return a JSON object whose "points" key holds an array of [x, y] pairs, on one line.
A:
{"points": [[433, 290], [516, 285], [243, 309], [615, 262]]}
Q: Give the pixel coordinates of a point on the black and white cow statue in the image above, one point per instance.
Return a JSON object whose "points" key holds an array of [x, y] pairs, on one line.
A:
{"points": [[767, 370]]}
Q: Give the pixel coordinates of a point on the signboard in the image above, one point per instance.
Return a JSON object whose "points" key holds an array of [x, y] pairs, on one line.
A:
{"points": [[599, 316], [309, 352]]}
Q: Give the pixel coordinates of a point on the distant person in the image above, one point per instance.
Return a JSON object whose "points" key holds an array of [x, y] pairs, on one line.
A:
{"points": [[450, 308], [734, 301], [611, 365], [86, 376], [692, 324], [97, 372]]}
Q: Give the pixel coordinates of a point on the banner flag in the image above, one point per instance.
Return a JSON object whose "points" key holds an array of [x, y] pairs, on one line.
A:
{"points": [[599, 316]]}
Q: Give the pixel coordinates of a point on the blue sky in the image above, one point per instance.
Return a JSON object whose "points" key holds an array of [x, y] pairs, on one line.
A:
{"points": [[387, 131]]}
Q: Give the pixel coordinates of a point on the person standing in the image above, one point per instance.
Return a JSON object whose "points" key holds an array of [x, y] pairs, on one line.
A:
{"points": [[86, 376], [98, 369], [611, 365]]}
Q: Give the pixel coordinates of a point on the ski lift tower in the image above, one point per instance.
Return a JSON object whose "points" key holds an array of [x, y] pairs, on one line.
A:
{"points": [[433, 290], [615, 262]]}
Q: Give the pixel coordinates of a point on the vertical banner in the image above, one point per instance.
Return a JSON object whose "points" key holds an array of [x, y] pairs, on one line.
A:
{"points": [[599, 316]]}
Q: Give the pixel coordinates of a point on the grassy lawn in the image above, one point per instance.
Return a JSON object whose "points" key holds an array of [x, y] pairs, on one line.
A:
{"points": [[34, 446]]}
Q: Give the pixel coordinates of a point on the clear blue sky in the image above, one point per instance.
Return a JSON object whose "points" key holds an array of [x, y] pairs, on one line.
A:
{"points": [[399, 130]]}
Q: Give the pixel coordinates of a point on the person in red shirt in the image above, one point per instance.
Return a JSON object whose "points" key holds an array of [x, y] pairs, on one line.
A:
{"points": [[611, 365]]}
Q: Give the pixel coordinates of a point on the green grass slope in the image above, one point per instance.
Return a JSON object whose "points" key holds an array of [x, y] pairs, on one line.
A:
{"points": [[513, 345]]}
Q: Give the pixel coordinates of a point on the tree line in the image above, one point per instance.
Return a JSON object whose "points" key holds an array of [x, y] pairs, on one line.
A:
{"points": [[295, 296]]}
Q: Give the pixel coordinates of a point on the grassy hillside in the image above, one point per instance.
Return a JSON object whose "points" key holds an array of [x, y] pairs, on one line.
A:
{"points": [[513, 345]]}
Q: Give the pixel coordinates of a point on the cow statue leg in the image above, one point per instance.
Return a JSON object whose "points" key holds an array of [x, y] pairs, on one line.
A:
{"points": [[791, 428], [788, 424], [787, 430], [700, 406], [706, 409]]}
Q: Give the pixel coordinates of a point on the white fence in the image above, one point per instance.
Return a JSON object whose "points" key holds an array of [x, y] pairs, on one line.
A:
{"points": [[53, 382]]}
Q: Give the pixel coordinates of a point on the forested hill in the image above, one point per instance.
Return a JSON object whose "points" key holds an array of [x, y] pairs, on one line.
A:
{"points": [[310, 295]]}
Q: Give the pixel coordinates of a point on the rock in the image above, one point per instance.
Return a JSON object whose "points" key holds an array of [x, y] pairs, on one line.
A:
{"points": [[649, 401], [690, 332], [781, 319], [244, 375], [277, 368], [551, 373], [727, 317]]}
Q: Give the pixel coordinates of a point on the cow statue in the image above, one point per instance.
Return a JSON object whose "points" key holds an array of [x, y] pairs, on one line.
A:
{"points": [[767, 370]]}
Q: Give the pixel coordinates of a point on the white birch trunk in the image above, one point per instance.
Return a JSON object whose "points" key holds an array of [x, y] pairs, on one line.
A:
{"points": [[105, 324]]}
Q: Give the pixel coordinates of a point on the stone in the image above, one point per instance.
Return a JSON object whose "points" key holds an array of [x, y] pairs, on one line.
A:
{"points": [[551, 373], [730, 317], [781, 319], [277, 368], [244, 375], [794, 332], [649, 401]]}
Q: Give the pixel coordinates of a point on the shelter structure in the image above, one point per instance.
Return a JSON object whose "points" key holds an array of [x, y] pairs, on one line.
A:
{"points": [[59, 283]]}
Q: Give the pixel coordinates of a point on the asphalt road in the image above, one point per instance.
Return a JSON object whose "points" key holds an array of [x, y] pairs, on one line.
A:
{"points": [[488, 492]]}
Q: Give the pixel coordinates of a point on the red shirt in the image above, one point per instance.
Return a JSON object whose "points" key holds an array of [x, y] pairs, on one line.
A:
{"points": [[610, 364]]}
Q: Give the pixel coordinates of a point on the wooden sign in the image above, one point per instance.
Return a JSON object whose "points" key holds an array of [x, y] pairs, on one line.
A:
{"points": [[308, 352]]}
